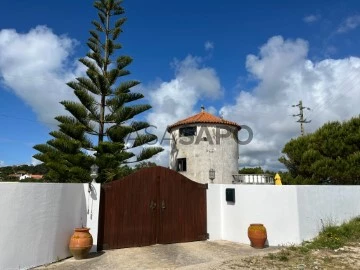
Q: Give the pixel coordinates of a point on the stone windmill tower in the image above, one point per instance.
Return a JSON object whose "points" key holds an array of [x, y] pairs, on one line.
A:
{"points": [[205, 148]]}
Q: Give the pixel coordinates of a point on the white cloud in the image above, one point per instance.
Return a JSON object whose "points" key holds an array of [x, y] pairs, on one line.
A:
{"points": [[212, 110], [2, 163], [311, 18], [35, 66], [349, 24], [176, 99], [209, 45], [35, 162], [285, 75]]}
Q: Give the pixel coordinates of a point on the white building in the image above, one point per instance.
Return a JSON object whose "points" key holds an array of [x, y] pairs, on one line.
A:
{"points": [[24, 176], [205, 148]]}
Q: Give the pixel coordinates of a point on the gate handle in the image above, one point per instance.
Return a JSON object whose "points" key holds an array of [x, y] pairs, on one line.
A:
{"points": [[152, 205], [163, 205]]}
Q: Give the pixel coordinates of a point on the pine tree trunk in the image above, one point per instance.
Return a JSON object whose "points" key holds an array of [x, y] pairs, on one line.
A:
{"points": [[103, 95]]}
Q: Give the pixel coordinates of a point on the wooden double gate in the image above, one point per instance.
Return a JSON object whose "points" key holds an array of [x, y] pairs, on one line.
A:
{"points": [[152, 206]]}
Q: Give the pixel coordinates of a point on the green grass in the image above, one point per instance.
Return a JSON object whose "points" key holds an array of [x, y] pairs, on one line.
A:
{"points": [[283, 255], [334, 237], [331, 237], [271, 256]]}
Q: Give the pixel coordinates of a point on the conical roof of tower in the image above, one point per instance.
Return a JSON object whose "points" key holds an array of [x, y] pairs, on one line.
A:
{"points": [[203, 118]]}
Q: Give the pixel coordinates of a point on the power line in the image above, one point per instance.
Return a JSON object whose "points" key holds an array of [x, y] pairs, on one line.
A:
{"points": [[301, 120]]}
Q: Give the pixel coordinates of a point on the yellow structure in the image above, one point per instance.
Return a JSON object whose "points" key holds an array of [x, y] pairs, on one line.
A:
{"points": [[277, 179]]}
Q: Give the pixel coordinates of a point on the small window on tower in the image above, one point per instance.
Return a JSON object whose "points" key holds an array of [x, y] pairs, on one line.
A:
{"points": [[187, 131], [181, 164]]}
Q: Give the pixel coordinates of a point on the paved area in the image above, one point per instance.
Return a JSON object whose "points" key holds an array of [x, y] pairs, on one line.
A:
{"points": [[194, 255]]}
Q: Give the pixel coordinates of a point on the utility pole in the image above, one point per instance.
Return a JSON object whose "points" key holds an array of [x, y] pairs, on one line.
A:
{"points": [[301, 120]]}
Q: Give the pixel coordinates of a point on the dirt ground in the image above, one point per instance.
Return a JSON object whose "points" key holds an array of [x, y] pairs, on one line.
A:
{"points": [[214, 255], [347, 257], [193, 255]]}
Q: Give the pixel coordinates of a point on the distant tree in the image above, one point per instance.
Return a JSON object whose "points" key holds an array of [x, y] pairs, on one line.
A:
{"points": [[255, 170], [32, 180], [103, 118], [331, 155], [39, 169], [6, 172], [144, 164]]}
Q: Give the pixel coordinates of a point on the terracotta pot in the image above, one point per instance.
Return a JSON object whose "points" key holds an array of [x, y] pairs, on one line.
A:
{"points": [[80, 243], [257, 235]]}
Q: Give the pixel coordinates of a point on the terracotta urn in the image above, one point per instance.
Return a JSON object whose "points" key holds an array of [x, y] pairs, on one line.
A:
{"points": [[257, 235], [80, 243]]}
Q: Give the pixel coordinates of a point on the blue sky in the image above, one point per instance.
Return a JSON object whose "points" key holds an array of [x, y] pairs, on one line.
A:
{"points": [[249, 60]]}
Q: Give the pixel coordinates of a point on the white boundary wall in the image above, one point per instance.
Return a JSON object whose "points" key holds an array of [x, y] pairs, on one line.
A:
{"points": [[38, 219], [290, 214]]}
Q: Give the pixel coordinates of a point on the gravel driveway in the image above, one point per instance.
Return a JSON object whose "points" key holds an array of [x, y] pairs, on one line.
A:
{"points": [[194, 255]]}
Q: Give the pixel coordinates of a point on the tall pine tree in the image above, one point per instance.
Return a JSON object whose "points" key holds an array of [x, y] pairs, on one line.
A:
{"points": [[103, 118], [330, 155]]}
